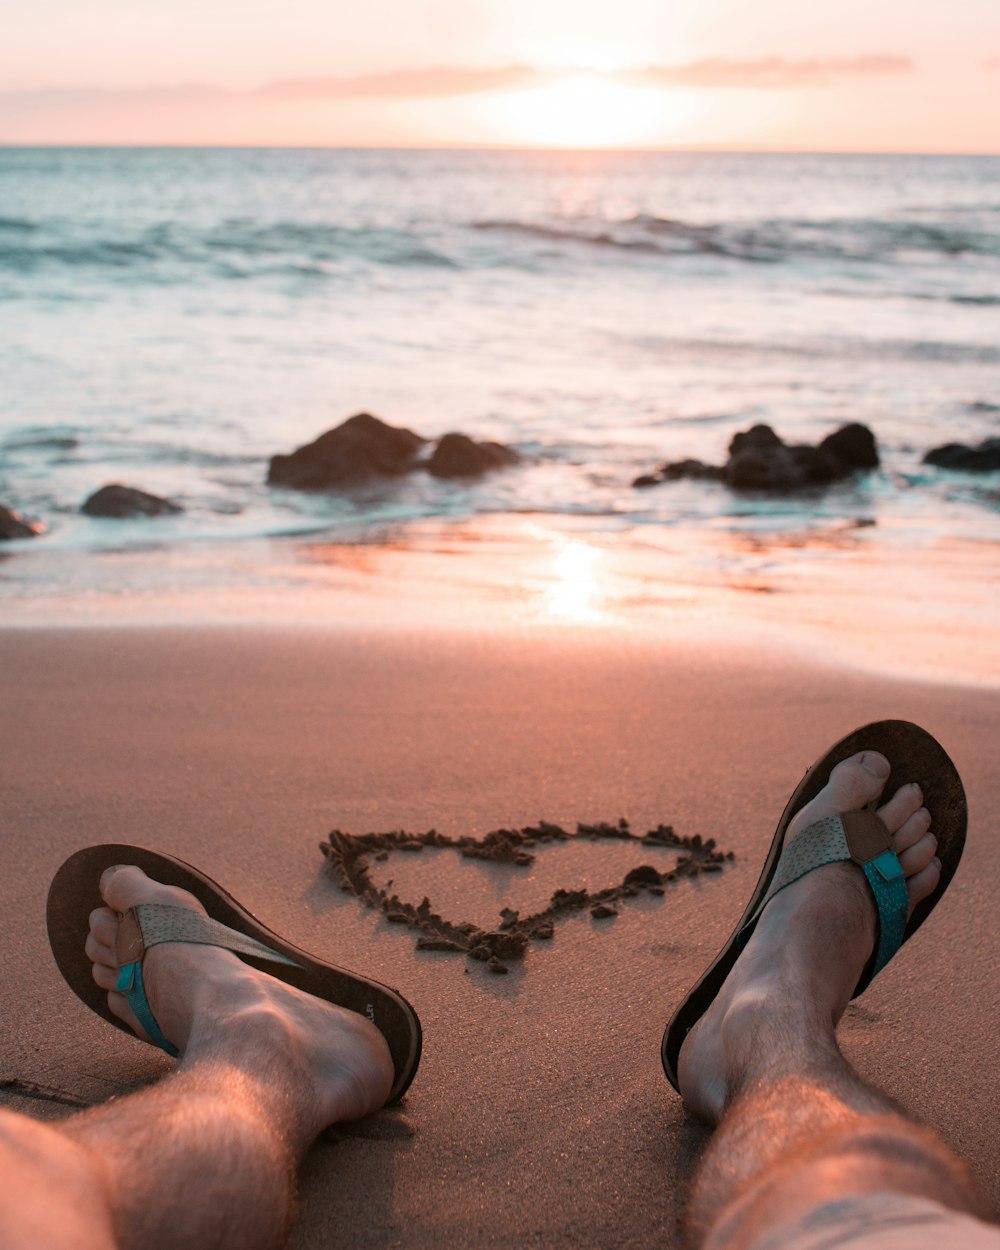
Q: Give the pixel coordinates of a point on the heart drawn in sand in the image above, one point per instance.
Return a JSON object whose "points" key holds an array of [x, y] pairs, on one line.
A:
{"points": [[349, 857]]}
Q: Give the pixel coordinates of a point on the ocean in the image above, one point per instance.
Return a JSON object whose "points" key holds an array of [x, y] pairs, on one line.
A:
{"points": [[171, 318]]}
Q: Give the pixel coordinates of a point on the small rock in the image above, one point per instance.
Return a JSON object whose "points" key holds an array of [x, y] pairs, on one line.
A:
{"points": [[497, 966], [14, 525], [362, 447], [119, 502], [982, 459], [645, 874], [457, 455], [600, 911]]}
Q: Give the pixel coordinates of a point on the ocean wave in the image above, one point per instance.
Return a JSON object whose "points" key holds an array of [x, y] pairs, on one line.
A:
{"points": [[768, 241], [16, 223], [170, 252], [980, 301]]}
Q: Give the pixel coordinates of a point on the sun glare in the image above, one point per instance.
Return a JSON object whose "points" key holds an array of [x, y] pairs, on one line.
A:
{"points": [[574, 588], [585, 111]]}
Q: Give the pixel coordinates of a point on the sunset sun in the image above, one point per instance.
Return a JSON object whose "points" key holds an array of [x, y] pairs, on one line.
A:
{"points": [[584, 110]]}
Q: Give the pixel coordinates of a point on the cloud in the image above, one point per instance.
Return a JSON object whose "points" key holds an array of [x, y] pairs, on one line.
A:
{"points": [[770, 71], [404, 83], [444, 81]]}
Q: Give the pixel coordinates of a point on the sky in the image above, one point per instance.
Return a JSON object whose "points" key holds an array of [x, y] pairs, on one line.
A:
{"points": [[855, 75]]}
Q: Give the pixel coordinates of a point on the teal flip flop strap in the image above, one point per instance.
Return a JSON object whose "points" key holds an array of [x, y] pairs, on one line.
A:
{"points": [[130, 984], [150, 924], [861, 837]]}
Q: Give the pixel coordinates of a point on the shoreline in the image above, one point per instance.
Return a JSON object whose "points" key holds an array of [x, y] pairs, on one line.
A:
{"points": [[873, 599]]}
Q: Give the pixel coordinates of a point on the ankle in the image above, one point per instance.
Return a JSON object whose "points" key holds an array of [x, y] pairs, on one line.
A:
{"points": [[773, 1030]]}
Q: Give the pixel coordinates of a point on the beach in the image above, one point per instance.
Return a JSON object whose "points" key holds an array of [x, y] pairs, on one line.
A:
{"points": [[626, 667], [540, 1115]]}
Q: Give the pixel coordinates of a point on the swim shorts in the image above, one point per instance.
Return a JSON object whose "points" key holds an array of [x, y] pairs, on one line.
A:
{"points": [[883, 1222]]}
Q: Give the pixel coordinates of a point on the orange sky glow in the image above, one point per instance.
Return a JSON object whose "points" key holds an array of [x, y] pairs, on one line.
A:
{"points": [[550, 73]]}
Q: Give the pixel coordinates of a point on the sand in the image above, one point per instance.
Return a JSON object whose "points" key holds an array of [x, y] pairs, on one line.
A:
{"points": [[540, 1115]]}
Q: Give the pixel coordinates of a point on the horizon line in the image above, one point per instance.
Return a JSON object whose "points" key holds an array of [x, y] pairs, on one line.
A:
{"points": [[649, 149]]}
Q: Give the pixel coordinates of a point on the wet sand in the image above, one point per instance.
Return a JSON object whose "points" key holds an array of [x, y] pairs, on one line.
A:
{"points": [[540, 1115]]}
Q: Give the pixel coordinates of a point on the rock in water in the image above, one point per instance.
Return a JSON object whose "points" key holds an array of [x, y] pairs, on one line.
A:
{"points": [[982, 459], [457, 455], [119, 502], [362, 447], [760, 460], [14, 525], [853, 446]]}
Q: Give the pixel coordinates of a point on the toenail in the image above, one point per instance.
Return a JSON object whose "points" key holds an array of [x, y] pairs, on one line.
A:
{"points": [[875, 764]]}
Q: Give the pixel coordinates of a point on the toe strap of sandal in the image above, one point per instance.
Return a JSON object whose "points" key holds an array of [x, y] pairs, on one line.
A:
{"points": [[149, 924], [864, 839]]}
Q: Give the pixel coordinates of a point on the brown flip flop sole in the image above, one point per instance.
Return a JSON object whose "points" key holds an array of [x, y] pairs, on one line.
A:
{"points": [[914, 756], [74, 894]]}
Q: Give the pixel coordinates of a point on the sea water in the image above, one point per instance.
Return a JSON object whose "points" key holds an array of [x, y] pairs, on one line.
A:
{"points": [[171, 318]]}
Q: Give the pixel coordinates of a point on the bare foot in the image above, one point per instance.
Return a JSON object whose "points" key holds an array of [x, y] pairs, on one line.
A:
{"points": [[810, 947], [212, 1006]]}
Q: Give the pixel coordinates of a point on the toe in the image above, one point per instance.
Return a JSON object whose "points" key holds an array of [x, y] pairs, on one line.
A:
{"points": [[119, 1006], [856, 781], [918, 856], [125, 886], [924, 883], [912, 830], [104, 926], [98, 953], [105, 976], [852, 785], [904, 803]]}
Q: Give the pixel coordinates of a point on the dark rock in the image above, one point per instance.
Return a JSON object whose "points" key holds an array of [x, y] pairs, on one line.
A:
{"points": [[14, 525], [645, 874], [853, 445], [126, 501], [982, 459], [759, 466], [601, 911], [674, 470], [457, 455], [760, 460], [692, 468], [362, 447], [757, 438]]}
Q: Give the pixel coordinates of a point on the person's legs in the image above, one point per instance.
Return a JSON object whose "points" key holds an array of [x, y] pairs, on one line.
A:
{"points": [[799, 1134], [207, 1156]]}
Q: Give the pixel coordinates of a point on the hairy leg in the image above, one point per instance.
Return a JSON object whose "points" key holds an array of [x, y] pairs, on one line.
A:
{"points": [[797, 1128], [207, 1156]]}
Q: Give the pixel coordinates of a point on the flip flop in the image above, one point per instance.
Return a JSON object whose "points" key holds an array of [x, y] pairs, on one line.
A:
{"points": [[74, 894], [914, 756]]}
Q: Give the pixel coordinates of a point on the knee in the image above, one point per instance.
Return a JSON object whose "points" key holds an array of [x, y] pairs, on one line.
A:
{"points": [[882, 1155], [56, 1193]]}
